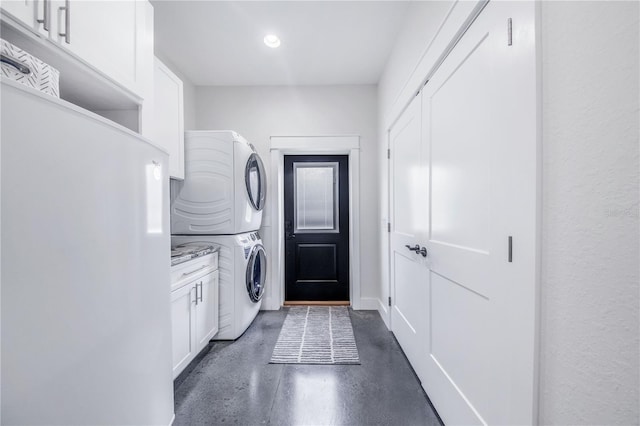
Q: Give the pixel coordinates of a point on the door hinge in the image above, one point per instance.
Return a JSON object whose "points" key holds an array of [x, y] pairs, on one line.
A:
{"points": [[389, 227], [509, 32], [389, 300], [388, 154]]}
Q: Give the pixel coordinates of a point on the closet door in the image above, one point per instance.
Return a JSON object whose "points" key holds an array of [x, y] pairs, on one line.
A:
{"points": [[409, 220], [479, 133]]}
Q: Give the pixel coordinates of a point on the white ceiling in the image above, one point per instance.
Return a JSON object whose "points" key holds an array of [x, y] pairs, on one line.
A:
{"points": [[220, 43]]}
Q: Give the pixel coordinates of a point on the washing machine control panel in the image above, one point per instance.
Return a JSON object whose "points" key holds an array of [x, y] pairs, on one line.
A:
{"points": [[247, 241]]}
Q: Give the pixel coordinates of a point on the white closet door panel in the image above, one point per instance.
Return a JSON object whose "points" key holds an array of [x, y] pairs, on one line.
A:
{"points": [[409, 270], [480, 133]]}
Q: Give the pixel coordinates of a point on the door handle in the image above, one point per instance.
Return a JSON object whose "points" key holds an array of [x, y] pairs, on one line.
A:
{"points": [[46, 19], [186, 274], [67, 22], [418, 249], [15, 64], [290, 236]]}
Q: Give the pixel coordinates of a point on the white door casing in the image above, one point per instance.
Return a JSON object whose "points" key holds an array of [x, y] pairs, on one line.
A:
{"points": [[312, 145], [480, 153]]}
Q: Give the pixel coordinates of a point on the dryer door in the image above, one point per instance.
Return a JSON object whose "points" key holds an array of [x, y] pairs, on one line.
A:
{"points": [[256, 181], [256, 273]]}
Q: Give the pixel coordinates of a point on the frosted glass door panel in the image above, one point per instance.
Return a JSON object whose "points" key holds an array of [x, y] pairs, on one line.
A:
{"points": [[316, 201]]}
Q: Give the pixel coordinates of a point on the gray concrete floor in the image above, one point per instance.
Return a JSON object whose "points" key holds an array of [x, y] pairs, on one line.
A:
{"points": [[233, 383]]}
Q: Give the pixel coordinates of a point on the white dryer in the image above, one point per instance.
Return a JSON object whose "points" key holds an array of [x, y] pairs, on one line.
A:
{"points": [[224, 186], [243, 272]]}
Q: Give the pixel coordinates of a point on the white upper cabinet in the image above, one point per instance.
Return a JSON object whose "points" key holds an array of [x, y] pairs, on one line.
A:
{"points": [[37, 15], [111, 37], [168, 131], [102, 33], [24, 11]]}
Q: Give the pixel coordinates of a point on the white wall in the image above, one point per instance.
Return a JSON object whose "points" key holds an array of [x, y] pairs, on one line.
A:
{"points": [[589, 345], [590, 233], [422, 21], [258, 113]]}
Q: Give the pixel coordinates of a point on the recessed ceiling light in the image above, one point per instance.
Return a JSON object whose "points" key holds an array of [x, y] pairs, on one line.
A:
{"points": [[272, 40]]}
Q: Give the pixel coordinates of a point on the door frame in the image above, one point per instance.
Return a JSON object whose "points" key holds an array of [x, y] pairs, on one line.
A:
{"points": [[313, 145]]}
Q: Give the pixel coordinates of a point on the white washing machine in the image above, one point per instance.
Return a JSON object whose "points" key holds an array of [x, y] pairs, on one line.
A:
{"points": [[243, 272], [224, 186]]}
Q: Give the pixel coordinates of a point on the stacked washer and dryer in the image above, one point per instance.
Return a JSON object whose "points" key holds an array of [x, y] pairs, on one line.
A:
{"points": [[220, 202]]}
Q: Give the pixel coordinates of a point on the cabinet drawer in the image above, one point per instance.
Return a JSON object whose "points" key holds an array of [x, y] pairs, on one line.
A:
{"points": [[186, 272]]}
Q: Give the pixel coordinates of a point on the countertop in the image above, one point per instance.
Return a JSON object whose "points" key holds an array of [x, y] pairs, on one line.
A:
{"points": [[185, 252]]}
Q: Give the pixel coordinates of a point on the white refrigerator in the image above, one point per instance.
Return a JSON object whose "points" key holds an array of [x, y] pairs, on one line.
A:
{"points": [[85, 301]]}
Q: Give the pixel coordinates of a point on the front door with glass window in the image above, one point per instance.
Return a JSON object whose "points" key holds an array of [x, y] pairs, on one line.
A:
{"points": [[316, 224]]}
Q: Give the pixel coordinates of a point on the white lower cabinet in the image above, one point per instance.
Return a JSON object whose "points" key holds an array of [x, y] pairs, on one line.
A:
{"points": [[182, 322], [194, 316], [207, 310]]}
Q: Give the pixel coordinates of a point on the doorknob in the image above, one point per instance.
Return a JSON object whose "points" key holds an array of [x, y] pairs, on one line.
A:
{"points": [[417, 249]]}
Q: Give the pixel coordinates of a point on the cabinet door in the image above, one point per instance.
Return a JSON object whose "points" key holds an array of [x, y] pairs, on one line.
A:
{"points": [[22, 10], [206, 309], [182, 326], [169, 117], [30, 11], [103, 34]]}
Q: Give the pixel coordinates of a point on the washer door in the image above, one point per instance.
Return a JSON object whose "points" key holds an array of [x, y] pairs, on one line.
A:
{"points": [[256, 181], [256, 273]]}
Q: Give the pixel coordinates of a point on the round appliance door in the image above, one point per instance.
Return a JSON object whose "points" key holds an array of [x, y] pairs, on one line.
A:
{"points": [[256, 181], [256, 273]]}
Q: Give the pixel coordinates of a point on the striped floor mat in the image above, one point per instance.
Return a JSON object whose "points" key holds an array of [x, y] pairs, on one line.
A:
{"points": [[316, 335]]}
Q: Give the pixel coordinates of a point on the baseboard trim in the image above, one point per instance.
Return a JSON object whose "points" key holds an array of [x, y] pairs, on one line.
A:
{"points": [[317, 303], [383, 310], [368, 304]]}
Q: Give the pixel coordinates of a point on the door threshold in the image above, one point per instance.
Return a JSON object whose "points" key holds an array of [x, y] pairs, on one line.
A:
{"points": [[317, 303]]}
